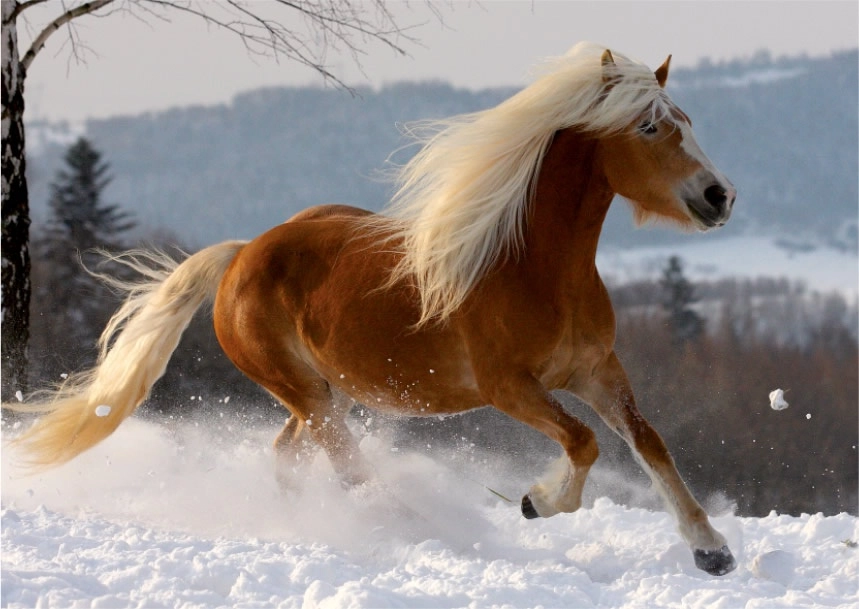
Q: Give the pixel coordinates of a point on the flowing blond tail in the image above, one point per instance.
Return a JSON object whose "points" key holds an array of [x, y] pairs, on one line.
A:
{"points": [[134, 350]]}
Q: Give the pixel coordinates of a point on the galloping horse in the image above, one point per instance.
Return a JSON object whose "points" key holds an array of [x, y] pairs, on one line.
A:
{"points": [[477, 287]]}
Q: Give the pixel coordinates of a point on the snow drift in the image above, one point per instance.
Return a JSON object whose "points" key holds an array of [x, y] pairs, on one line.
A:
{"points": [[190, 515]]}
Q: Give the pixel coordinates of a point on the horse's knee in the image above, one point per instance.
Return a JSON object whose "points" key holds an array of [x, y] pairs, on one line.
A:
{"points": [[590, 451], [649, 445], [581, 446]]}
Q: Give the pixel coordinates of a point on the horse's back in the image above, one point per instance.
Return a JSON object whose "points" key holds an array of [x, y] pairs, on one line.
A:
{"points": [[272, 281], [329, 211]]}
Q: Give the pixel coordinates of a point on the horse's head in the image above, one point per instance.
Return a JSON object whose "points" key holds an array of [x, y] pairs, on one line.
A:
{"points": [[656, 163]]}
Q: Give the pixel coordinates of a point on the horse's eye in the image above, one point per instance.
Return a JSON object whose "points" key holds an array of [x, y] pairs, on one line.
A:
{"points": [[647, 128]]}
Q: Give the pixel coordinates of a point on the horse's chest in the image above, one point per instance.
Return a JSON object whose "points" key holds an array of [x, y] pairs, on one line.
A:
{"points": [[585, 334], [577, 352]]}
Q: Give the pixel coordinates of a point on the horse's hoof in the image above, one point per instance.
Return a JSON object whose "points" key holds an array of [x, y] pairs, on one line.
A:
{"points": [[715, 562], [528, 509]]}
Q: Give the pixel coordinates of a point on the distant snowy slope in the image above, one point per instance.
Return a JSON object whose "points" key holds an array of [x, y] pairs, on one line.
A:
{"points": [[742, 78], [820, 269], [44, 137], [769, 124], [185, 518]]}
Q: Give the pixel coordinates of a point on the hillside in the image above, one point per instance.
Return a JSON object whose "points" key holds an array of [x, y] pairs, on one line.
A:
{"points": [[784, 131]]}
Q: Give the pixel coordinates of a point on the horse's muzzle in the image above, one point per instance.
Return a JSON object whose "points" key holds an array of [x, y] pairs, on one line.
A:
{"points": [[712, 207]]}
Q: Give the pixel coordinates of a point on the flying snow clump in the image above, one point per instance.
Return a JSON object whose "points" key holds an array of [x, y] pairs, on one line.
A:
{"points": [[777, 401]]}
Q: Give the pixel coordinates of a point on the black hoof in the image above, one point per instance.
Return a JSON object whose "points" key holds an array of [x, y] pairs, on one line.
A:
{"points": [[528, 510], [715, 562]]}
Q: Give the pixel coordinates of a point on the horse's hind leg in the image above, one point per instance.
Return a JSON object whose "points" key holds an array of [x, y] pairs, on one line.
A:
{"points": [[287, 450], [315, 412]]}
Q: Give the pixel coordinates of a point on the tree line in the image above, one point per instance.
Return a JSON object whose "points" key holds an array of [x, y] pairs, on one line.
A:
{"points": [[702, 359]]}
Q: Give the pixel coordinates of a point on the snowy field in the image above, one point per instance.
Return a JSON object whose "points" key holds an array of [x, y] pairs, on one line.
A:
{"points": [[190, 517]]}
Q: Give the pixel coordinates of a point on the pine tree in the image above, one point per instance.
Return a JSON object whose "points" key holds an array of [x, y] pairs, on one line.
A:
{"points": [[79, 216], [80, 222], [678, 296]]}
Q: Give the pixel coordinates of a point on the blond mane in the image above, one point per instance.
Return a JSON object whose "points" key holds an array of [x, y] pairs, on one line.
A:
{"points": [[461, 201]]}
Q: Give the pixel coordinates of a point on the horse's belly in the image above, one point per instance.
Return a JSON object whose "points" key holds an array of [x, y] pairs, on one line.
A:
{"points": [[362, 338], [413, 376], [308, 299]]}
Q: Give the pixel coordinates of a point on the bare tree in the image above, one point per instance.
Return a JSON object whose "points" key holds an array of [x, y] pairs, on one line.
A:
{"points": [[304, 31]]}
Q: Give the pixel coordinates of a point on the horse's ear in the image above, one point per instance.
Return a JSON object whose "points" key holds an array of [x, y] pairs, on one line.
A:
{"points": [[610, 75], [609, 67], [662, 72]]}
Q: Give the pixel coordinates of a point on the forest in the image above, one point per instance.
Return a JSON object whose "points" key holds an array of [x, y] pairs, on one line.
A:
{"points": [[702, 359]]}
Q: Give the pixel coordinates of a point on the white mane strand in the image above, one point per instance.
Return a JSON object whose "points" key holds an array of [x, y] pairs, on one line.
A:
{"points": [[463, 198]]}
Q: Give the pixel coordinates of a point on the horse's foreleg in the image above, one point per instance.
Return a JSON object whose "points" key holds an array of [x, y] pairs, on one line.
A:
{"points": [[609, 393], [560, 490]]}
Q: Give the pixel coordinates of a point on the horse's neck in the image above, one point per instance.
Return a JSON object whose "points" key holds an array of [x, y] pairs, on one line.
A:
{"points": [[571, 200]]}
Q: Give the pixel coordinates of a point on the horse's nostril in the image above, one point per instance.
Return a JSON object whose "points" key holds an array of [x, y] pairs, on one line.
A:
{"points": [[715, 195]]}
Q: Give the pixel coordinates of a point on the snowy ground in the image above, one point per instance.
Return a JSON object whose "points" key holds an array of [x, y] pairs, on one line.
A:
{"points": [[187, 518]]}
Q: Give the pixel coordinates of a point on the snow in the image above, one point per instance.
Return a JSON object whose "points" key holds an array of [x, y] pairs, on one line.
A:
{"points": [[775, 565], [103, 410], [42, 135], [759, 76], [777, 401], [189, 515]]}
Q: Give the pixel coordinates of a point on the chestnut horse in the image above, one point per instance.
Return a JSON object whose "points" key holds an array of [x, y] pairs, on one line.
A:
{"points": [[477, 287]]}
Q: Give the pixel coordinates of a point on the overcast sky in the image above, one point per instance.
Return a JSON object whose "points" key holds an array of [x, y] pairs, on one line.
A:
{"points": [[133, 66]]}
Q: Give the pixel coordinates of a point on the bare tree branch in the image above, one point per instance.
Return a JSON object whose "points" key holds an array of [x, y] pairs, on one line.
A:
{"points": [[39, 42], [328, 25], [78, 48], [340, 25], [321, 26], [20, 8]]}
